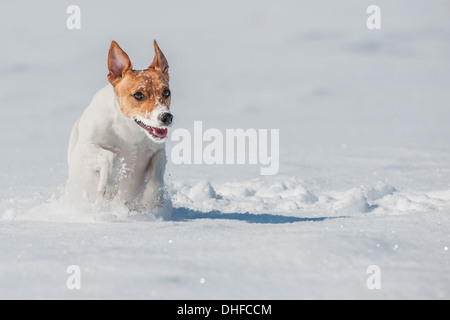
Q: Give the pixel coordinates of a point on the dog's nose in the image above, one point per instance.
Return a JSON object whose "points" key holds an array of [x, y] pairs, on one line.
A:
{"points": [[166, 118]]}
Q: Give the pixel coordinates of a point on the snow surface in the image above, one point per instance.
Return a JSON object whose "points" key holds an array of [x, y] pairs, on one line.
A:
{"points": [[364, 173]]}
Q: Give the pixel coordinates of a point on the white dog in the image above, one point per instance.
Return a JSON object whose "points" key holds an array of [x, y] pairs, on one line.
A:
{"points": [[116, 148]]}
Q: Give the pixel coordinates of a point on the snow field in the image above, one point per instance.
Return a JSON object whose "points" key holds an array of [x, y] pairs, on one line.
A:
{"points": [[364, 154]]}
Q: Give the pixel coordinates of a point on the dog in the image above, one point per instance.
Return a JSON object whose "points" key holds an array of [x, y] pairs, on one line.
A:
{"points": [[117, 146]]}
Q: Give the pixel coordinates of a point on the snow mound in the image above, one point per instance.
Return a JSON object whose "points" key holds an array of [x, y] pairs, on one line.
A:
{"points": [[354, 200], [381, 190], [202, 191], [292, 197], [256, 196], [407, 202]]}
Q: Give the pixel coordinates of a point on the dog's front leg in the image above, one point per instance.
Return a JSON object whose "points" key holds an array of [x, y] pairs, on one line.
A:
{"points": [[154, 190], [102, 162]]}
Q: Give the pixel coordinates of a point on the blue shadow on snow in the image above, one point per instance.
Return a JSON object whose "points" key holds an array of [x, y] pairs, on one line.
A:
{"points": [[183, 214]]}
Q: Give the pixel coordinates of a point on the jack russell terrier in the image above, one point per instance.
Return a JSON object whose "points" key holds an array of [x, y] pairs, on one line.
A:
{"points": [[116, 148]]}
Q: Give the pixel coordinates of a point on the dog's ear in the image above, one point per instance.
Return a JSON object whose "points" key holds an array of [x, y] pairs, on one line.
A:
{"points": [[159, 62], [118, 63]]}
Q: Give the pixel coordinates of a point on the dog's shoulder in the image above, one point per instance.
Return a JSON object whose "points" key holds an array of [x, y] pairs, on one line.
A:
{"points": [[97, 118], [103, 100]]}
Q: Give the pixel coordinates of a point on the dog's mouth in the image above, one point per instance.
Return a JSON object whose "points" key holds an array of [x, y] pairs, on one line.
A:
{"points": [[158, 133]]}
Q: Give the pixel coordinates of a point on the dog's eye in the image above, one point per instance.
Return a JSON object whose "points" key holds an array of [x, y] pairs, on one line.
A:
{"points": [[166, 93], [139, 96]]}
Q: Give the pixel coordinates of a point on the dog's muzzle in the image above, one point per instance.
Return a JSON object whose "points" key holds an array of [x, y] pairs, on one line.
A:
{"points": [[165, 118]]}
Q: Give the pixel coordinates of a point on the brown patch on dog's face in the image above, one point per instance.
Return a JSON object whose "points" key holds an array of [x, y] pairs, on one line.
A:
{"points": [[139, 91]]}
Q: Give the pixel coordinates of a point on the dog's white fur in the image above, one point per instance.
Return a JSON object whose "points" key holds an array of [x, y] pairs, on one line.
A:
{"points": [[111, 156]]}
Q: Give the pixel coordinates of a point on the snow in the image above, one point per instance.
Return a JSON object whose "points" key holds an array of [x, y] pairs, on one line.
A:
{"points": [[364, 158]]}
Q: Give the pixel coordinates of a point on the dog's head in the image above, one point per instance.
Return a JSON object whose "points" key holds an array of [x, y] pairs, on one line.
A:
{"points": [[144, 95]]}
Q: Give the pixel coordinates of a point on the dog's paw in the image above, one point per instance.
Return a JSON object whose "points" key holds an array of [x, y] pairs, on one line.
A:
{"points": [[106, 194], [99, 203]]}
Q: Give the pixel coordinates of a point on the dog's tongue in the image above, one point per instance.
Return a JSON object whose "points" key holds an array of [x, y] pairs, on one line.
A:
{"points": [[160, 132]]}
